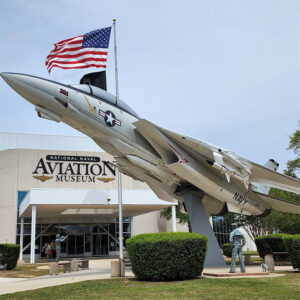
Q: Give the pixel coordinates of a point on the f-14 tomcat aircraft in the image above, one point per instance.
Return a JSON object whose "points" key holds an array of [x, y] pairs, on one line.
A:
{"points": [[175, 166]]}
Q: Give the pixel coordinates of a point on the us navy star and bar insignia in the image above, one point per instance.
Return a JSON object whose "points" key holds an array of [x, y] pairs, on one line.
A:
{"points": [[109, 118]]}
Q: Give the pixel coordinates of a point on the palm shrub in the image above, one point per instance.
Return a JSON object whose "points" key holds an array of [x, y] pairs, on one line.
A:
{"points": [[9, 254], [292, 245], [167, 255]]}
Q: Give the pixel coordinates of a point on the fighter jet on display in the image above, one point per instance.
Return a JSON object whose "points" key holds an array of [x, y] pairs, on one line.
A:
{"points": [[172, 164]]}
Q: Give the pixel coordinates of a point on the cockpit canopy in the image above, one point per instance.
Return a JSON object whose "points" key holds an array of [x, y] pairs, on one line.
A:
{"points": [[104, 96]]}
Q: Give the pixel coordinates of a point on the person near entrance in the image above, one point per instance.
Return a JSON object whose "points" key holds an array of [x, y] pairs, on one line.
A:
{"points": [[48, 250], [52, 245], [58, 241], [237, 241]]}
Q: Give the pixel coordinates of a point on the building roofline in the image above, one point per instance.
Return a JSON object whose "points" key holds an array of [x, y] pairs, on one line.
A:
{"points": [[43, 134]]}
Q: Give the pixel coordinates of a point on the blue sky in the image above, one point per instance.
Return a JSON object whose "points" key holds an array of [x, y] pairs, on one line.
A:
{"points": [[226, 72]]}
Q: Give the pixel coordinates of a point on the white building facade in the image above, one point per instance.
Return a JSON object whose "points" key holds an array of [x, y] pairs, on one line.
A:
{"points": [[53, 185]]}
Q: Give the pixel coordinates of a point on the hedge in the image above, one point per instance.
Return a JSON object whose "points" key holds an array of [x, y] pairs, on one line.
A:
{"points": [[9, 254], [267, 244], [292, 245], [167, 256], [227, 250]]}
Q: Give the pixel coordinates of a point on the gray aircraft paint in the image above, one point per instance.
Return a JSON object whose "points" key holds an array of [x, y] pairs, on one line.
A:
{"points": [[196, 165], [173, 155]]}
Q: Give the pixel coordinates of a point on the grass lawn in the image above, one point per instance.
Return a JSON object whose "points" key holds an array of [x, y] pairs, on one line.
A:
{"points": [[255, 260], [26, 271], [250, 252], [285, 287]]}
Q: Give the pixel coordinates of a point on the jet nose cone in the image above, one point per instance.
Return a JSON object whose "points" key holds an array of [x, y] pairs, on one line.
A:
{"points": [[13, 79], [34, 89], [8, 77], [3, 74]]}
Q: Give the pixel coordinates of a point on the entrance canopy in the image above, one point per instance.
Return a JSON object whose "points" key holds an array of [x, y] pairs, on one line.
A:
{"points": [[75, 205]]}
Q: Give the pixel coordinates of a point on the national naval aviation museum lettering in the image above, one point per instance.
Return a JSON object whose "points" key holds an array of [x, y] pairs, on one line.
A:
{"points": [[74, 168]]}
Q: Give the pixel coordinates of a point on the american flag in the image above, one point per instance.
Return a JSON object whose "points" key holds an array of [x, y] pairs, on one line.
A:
{"points": [[83, 51]]}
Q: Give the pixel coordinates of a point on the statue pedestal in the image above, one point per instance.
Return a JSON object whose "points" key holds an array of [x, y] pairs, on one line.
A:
{"points": [[117, 268], [269, 261], [200, 224], [53, 269]]}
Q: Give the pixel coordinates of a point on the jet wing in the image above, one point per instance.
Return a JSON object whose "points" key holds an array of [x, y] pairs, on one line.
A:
{"points": [[152, 133], [278, 204], [240, 168], [265, 176], [161, 194]]}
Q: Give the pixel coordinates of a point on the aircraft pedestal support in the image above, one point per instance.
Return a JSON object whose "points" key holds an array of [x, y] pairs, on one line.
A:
{"points": [[200, 224]]}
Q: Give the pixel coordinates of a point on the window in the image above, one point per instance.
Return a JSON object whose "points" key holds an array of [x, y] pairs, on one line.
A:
{"points": [[104, 96]]}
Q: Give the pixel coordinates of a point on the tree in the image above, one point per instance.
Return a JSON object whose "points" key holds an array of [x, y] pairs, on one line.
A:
{"points": [[253, 225], [293, 166], [289, 223], [181, 216], [278, 221]]}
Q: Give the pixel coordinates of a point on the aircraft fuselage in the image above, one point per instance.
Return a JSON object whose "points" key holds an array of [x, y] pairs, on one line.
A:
{"points": [[112, 128]]}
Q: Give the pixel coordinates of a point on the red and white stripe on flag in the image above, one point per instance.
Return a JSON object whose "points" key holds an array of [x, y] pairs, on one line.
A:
{"points": [[69, 54]]}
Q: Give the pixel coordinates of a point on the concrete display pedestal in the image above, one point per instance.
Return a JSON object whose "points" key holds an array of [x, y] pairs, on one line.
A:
{"points": [[200, 224], [53, 268], [255, 274], [117, 268], [269, 261]]}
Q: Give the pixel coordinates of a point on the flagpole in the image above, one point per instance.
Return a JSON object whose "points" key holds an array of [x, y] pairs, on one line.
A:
{"points": [[116, 62], [120, 214], [119, 173]]}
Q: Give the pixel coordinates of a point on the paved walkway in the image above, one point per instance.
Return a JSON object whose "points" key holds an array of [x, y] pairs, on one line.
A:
{"points": [[249, 270], [99, 269]]}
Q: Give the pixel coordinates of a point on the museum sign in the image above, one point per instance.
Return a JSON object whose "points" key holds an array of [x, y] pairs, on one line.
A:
{"points": [[72, 168]]}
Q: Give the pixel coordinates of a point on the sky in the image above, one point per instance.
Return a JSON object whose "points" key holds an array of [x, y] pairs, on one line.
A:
{"points": [[226, 72]]}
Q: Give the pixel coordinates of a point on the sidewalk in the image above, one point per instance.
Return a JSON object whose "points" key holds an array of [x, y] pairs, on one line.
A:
{"points": [[249, 270], [99, 269]]}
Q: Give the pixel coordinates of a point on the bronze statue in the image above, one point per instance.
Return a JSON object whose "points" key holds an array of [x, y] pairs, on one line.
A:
{"points": [[59, 239], [237, 241]]}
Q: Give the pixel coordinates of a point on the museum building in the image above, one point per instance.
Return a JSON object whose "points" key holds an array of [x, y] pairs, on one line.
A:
{"points": [[66, 185]]}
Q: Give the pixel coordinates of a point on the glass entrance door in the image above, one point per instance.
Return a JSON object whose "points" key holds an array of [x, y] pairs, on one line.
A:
{"points": [[75, 244], [100, 244]]}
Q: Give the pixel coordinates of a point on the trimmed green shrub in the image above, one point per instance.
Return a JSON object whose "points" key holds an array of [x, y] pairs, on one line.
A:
{"points": [[167, 255], [227, 250], [267, 244], [9, 254], [292, 245]]}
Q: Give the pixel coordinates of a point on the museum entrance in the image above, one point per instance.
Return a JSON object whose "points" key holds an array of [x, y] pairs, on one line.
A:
{"points": [[82, 239], [75, 245], [100, 244]]}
